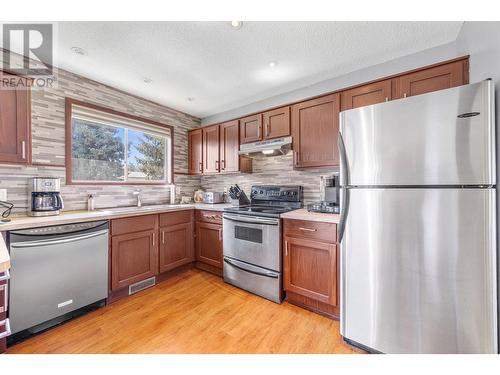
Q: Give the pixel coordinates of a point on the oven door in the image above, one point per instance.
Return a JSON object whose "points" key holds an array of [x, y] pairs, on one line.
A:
{"points": [[252, 239]]}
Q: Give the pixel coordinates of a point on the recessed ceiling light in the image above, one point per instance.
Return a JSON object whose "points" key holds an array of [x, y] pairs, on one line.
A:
{"points": [[147, 80], [272, 64], [190, 99], [237, 24], [79, 51]]}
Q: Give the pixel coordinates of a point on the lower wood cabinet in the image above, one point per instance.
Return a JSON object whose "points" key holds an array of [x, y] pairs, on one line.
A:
{"points": [[176, 246], [311, 265], [3, 309], [144, 246], [310, 269], [209, 243], [134, 257]]}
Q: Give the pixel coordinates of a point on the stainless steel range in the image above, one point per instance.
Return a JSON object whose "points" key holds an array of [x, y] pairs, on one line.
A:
{"points": [[252, 240]]}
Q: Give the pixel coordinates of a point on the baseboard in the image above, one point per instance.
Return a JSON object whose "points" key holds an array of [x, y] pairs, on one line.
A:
{"points": [[209, 268]]}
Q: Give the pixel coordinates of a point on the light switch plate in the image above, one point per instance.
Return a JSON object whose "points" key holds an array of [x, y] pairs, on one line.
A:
{"points": [[3, 195]]}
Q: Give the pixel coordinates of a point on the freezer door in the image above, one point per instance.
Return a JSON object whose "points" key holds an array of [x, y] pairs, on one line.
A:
{"points": [[441, 138], [418, 270]]}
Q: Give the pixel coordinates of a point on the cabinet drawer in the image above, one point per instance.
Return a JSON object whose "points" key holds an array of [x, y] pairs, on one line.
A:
{"points": [[133, 224], [326, 232], [174, 218], [209, 216]]}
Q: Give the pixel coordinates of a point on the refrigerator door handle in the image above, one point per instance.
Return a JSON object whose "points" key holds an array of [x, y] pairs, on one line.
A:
{"points": [[344, 181], [344, 209], [344, 165]]}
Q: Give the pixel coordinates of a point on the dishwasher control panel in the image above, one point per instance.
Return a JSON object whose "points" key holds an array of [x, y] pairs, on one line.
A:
{"points": [[61, 229]]}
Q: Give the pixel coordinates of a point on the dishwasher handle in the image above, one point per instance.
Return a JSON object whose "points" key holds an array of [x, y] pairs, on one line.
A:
{"points": [[58, 241]]}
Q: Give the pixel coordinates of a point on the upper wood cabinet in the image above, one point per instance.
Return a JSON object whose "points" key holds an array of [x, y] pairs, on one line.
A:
{"points": [[251, 128], [211, 157], [195, 151], [229, 146], [315, 127], [432, 79], [277, 123], [176, 239], [15, 123], [373, 93]]}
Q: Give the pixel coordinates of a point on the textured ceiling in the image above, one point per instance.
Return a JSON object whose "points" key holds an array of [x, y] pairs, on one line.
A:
{"points": [[222, 68]]}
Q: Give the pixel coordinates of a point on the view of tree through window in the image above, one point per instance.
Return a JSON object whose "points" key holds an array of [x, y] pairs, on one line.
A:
{"points": [[114, 153]]}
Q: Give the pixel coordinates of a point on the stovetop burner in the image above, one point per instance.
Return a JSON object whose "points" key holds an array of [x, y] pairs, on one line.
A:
{"points": [[271, 201]]}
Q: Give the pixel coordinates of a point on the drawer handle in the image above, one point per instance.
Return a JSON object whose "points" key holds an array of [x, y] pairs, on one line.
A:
{"points": [[163, 237], [308, 229], [7, 331], [153, 239], [286, 248]]}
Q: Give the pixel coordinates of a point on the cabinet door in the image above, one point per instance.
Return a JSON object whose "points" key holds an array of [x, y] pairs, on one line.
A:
{"points": [[432, 79], [176, 246], [277, 123], [195, 151], [209, 244], [134, 257], [211, 149], [311, 269], [315, 129], [372, 93], [251, 129], [15, 120], [229, 146]]}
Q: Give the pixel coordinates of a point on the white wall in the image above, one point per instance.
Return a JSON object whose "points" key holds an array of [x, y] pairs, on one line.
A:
{"points": [[413, 61]]}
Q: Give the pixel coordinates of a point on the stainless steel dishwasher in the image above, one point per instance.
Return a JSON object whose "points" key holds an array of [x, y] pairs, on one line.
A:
{"points": [[57, 273]]}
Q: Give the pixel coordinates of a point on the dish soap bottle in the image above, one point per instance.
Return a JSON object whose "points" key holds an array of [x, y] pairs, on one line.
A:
{"points": [[90, 203]]}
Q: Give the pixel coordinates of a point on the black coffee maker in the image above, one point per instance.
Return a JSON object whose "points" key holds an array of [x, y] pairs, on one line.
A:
{"points": [[46, 197]]}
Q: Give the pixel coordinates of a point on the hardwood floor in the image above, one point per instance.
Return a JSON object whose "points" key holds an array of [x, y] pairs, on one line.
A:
{"points": [[194, 312]]}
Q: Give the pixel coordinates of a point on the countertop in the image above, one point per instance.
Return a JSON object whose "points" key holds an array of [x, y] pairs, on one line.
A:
{"points": [[303, 214], [67, 217]]}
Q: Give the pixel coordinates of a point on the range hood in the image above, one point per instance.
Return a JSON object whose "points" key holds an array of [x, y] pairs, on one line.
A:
{"points": [[271, 147]]}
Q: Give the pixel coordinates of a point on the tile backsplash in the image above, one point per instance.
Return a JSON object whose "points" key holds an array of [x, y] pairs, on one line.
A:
{"points": [[274, 170], [48, 145]]}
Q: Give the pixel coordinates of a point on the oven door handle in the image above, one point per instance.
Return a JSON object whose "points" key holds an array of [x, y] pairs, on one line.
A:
{"points": [[253, 220], [240, 266]]}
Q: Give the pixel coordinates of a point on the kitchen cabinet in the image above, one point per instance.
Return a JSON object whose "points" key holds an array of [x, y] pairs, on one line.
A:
{"points": [[311, 265], [134, 250], [267, 125], [315, 127], [277, 123], [209, 240], [15, 123], [229, 146], [431, 79], [3, 308], [215, 149], [176, 240], [373, 93], [211, 156], [251, 128], [195, 151]]}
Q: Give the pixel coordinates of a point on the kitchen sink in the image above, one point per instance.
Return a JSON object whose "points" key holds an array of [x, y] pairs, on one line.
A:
{"points": [[157, 207]]}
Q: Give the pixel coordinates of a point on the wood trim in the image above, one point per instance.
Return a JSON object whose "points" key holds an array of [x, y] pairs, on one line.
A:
{"points": [[69, 102], [465, 57]]}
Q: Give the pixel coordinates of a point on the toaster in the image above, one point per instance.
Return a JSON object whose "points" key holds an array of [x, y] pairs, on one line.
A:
{"points": [[213, 197]]}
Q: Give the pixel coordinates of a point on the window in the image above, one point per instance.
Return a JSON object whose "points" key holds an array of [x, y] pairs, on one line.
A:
{"points": [[106, 146]]}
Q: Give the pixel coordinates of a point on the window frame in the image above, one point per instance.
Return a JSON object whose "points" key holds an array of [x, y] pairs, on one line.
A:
{"points": [[69, 103]]}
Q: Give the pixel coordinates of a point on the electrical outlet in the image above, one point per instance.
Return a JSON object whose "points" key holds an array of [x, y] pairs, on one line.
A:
{"points": [[177, 190], [225, 190]]}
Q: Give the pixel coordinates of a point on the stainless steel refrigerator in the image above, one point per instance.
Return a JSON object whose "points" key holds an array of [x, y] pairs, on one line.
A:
{"points": [[418, 223]]}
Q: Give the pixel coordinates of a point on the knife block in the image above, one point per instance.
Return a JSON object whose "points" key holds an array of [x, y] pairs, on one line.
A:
{"points": [[242, 201]]}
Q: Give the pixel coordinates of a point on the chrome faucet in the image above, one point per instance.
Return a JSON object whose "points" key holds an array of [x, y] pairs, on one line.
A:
{"points": [[138, 193]]}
